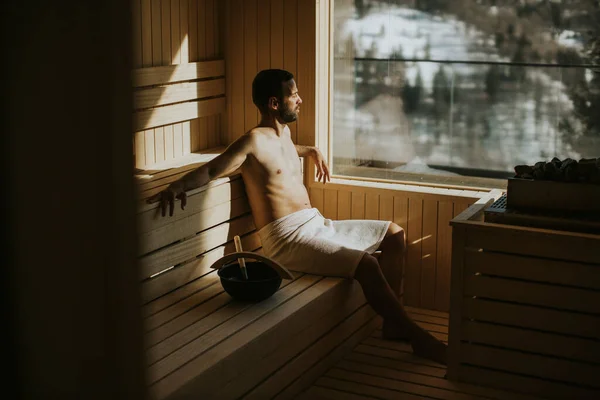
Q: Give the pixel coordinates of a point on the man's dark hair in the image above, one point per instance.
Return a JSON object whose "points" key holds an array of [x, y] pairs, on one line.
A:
{"points": [[269, 83]]}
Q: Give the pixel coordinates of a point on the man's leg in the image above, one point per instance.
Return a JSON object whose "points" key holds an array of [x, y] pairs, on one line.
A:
{"points": [[381, 297], [391, 259]]}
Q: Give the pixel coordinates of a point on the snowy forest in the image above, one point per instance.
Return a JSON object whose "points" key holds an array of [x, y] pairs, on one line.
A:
{"points": [[465, 87]]}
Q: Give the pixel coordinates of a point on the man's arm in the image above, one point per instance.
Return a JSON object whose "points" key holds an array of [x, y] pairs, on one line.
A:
{"points": [[314, 153], [304, 151], [227, 162]]}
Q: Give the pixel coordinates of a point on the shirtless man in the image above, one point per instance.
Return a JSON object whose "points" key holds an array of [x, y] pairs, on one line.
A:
{"points": [[286, 220]]}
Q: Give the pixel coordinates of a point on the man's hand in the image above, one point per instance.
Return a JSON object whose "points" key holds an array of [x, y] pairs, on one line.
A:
{"points": [[174, 191], [322, 168]]}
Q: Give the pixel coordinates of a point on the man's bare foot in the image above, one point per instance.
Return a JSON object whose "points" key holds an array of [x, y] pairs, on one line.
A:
{"points": [[390, 331], [427, 346]]}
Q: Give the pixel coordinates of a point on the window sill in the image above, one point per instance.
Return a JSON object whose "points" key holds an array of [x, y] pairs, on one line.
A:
{"points": [[345, 183], [385, 175]]}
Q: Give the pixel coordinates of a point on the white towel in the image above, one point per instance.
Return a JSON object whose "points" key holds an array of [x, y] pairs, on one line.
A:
{"points": [[307, 242]]}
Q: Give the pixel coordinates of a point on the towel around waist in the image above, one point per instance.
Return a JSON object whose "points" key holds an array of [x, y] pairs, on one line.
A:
{"points": [[285, 226]]}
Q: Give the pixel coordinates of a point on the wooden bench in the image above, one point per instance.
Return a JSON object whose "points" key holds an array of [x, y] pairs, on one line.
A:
{"points": [[201, 343]]}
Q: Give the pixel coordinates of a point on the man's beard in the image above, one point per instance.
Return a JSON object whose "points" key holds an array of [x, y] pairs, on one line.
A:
{"points": [[288, 115]]}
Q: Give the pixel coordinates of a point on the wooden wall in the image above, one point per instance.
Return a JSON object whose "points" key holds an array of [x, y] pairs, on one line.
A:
{"points": [[268, 34], [170, 32]]}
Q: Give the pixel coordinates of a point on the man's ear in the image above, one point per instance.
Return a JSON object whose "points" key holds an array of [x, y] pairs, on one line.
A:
{"points": [[273, 103]]}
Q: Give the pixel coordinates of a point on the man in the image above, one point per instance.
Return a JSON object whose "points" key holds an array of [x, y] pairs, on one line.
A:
{"points": [[294, 233]]}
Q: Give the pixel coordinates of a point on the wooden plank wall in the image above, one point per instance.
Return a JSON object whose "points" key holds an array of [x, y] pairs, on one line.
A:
{"points": [[268, 34], [171, 32], [425, 219]]}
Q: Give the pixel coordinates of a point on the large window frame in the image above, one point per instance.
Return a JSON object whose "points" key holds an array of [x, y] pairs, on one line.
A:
{"points": [[323, 138]]}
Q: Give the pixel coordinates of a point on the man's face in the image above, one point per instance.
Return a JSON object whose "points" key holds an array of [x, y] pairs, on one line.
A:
{"points": [[290, 104]]}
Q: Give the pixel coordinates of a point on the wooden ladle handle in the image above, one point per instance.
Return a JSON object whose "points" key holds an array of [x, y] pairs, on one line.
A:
{"points": [[281, 270]]}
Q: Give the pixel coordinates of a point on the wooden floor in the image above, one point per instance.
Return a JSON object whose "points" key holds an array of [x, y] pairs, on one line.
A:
{"points": [[383, 369]]}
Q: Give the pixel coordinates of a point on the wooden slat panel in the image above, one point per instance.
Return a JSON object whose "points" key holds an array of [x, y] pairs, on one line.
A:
{"points": [[158, 75], [411, 363], [236, 60], [136, 11], [277, 23], [317, 199], [392, 380], [320, 393], [531, 341], [532, 293], [371, 206], [183, 364], [175, 33], [193, 29], [179, 92], [386, 208], [401, 212], [156, 33], [363, 389], [533, 269], [317, 359], [195, 314], [425, 375], [180, 276], [194, 136], [169, 151], [186, 250], [177, 73], [344, 208], [189, 226], [157, 189], [191, 318], [140, 149], [306, 71], [211, 120], [405, 354], [358, 205], [210, 28], [202, 29], [299, 337], [330, 206], [531, 364], [159, 144], [444, 254], [148, 76], [218, 15], [552, 390], [412, 284], [263, 37], [183, 31], [560, 245], [290, 49], [149, 146], [177, 137], [211, 130], [209, 287], [250, 62], [429, 254], [146, 33], [177, 113], [456, 300], [531, 317], [422, 311]]}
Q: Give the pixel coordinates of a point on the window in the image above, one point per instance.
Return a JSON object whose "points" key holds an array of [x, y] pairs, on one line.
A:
{"points": [[461, 91]]}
